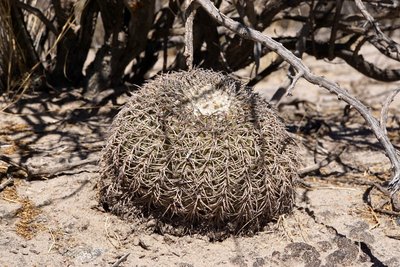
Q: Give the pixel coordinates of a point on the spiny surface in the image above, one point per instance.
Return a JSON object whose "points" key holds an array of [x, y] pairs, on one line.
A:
{"points": [[199, 147]]}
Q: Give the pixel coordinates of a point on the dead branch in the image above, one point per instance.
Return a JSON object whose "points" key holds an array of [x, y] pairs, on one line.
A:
{"points": [[359, 63], [24, 39], [265, 72], [335, 27], [189, 52], [320, 50], [383, 43], [331, 157], [387, 212], [121, 260], [248, 33], [6, 183], [385, 109], [38, 14]]}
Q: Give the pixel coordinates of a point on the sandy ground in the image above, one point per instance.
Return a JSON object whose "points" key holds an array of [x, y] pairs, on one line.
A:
{"points": [[57, 221]]}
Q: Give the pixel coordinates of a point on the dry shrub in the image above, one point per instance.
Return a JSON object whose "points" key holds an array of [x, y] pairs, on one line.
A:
{"points": [[11, 59], [198, 149], [15, 71]]}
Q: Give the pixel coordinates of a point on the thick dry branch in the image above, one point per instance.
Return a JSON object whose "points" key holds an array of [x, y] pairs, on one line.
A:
{"points": [[35, 11], [335, 26], [248, 33], [24, 39], [189, 51], [360, 64], [320, 50]]}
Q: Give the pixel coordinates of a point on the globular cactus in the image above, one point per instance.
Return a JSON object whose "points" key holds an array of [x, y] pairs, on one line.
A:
{"points": [[201, 149]]}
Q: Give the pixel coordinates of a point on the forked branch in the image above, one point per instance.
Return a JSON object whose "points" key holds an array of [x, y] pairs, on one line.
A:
{"points": [[382, 42], [297, 64]]}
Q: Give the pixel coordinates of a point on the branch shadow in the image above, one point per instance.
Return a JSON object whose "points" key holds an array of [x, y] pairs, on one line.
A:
{"points": [[60, 123]]}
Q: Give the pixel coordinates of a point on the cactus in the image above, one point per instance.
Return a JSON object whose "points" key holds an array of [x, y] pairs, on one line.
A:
{"points": [[201, 149]]}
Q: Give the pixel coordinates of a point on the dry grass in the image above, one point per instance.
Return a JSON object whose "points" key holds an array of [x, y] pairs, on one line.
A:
{"points": [[13, 70], [201, 149], [26, 226], [16, 77]]}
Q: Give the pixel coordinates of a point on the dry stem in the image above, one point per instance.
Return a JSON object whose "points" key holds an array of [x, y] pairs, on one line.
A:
{"points": [[382, 42], [385, 109], [189, 52]]}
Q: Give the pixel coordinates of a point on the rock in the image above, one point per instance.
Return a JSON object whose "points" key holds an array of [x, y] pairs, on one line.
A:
{"points": [[34, 251], [85, 254], [302, 252], [259, 262], [324, 245], [135, 241], [359, 232], [143, 242], [9, 210], [347, 253], [238, 261], [151, 223], [169, 239], [4, 241], [184, 264]]}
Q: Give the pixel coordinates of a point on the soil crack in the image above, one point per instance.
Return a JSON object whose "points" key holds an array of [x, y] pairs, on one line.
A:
{"points": [[361, 245]]}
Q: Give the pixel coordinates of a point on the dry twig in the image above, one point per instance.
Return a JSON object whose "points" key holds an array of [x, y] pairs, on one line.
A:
{"points": [[121, 260], [383, 43], [6, 183], [331, 157], [385, 109]]}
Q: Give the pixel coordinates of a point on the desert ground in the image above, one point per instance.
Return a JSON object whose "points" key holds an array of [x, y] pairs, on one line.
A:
{"points": [[342, 216]]}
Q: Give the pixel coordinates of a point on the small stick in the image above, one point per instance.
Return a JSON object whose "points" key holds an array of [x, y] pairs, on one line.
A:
{"points": [[293, 83], [53, 239], [331, 157], [368, 16], [6, 183], [385, 109], [387, 212], [120, 260]]}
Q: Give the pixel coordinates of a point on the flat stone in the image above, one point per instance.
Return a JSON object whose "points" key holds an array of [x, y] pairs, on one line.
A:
{"points": [[8, 210]]}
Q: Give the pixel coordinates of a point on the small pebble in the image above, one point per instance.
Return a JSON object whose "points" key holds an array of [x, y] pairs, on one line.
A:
{"points": [[136, 241], [151, 223], [34, 251]]}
